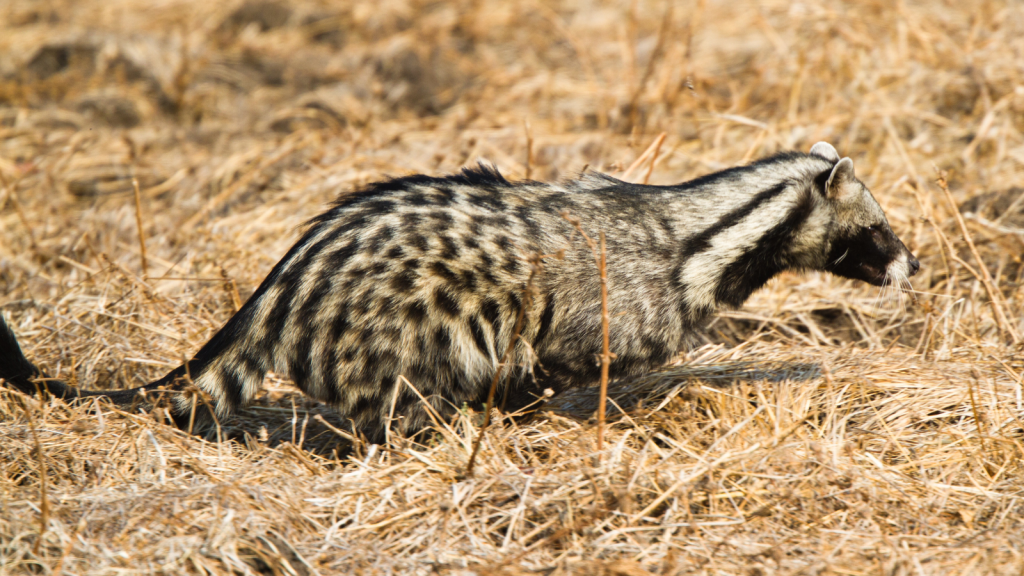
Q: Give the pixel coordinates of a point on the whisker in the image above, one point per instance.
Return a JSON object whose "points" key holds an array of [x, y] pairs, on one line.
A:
{"points": [[883, 293], [907, 288], [910, 290], [890, 294]]}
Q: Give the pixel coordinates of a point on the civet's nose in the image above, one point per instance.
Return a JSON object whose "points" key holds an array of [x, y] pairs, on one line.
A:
{"points": [[915, 265]]}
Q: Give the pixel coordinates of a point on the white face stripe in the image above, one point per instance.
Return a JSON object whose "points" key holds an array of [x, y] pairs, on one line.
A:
{"points": [[701, 273]]}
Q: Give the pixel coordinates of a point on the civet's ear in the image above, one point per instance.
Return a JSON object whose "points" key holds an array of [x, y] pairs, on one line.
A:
{"points": [[842, 183], [826, 151]]}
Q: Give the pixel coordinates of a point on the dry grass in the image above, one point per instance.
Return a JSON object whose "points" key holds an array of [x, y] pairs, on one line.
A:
{"points": [[818, 430]]}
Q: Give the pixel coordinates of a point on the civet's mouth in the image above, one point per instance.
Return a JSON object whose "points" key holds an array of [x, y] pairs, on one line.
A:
{"points": [[873, 275], [897, 272]]}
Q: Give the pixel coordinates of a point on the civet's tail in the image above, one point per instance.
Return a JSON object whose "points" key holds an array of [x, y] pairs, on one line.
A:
{"points": [[224, 375], [18, 372]]}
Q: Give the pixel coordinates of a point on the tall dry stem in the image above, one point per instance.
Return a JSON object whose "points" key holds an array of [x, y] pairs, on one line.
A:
{"points": [[606, 355], [535, 262], [142, 233], [44, 500]]}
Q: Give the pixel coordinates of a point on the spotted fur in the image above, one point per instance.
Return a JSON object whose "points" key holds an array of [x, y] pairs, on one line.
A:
{"points": [[420, 279]]}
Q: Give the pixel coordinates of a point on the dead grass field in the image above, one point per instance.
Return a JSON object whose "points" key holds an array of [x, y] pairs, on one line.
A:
{"points": [[819, 430]]}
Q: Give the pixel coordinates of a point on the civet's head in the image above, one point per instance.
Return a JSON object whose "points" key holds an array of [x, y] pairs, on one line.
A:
{"points": [[863, 246]]}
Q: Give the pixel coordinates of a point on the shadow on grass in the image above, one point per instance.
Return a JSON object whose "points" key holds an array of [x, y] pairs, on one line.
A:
{"points": [[649, 389], [315, 428], [301, 427]]}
